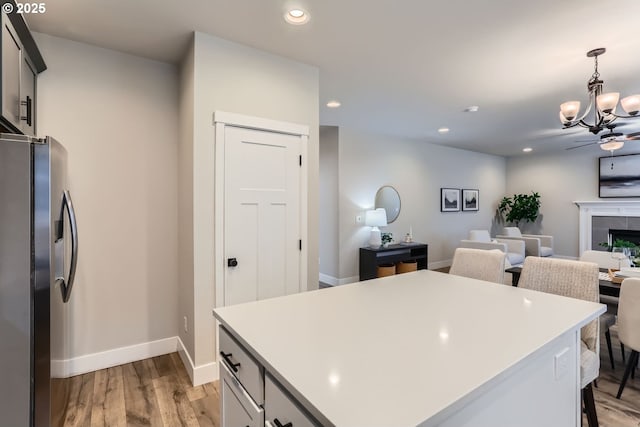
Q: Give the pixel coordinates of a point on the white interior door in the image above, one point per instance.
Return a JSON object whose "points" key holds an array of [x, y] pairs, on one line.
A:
{"points": [[262, 229]]}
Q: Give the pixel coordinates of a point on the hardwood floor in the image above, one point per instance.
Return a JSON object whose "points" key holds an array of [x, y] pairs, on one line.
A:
{"points": [[157, 393], [154, 393], [611, 411]]}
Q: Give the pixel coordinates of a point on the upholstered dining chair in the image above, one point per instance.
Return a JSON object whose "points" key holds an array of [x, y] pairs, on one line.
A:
{"points": [[480, 264], [535, 244], [629, 324], [573, 279], [604, 259], [607, 320], [481, 239]]}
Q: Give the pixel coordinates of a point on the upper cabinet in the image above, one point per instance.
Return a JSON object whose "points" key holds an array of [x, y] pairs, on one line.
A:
{"points": [[21, 63]]}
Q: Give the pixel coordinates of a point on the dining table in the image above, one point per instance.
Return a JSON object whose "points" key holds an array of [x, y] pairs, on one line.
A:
{"points": [[607, 287]]}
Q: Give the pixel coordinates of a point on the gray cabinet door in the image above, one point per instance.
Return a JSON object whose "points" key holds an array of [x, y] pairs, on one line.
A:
{"points": [[27, 97], [11, 62]]}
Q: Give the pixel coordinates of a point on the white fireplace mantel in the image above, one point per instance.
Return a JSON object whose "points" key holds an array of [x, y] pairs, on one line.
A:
{"points": [[589, 209]]}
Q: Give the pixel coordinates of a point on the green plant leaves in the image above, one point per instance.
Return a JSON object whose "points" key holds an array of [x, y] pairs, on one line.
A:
{"points": [[520, 207], [619, 243]]}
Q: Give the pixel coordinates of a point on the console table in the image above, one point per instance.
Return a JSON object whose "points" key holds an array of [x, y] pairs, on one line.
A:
{"points": [[371, 258]]}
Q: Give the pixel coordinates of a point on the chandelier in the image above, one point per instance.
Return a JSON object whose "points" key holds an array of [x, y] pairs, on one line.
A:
{"points": [[603, 106]]}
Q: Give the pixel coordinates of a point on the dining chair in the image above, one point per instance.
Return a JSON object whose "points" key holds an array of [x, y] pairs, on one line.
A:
{"points": [[481, 239], [535, 244], [604, 259], [480, 264], [629, 324], [575, 279], [607, 320]]}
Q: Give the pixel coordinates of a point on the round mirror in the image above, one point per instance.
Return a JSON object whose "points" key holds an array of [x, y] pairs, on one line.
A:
{"points": [[388, 198]]}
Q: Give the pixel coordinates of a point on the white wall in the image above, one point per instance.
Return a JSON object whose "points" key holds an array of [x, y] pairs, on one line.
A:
{"points": [[239, 79], [560, 178], [116, 115], [417, 170], [328, 216]]}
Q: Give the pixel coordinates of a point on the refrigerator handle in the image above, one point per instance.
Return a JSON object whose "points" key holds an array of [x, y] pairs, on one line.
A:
{"points": [[68, 286]]}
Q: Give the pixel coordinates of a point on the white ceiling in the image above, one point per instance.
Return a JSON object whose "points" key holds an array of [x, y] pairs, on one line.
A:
{"points": [[404, 67]]}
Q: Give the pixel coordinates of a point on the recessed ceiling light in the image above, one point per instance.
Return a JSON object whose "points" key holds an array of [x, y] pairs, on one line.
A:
{"points": [[527, 150], [471, 109], [333, 104], [296, 17], [443, 130]]}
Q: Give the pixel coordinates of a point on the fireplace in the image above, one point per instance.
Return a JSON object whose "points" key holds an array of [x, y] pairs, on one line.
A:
{"points": [[592, 233], [632, 236]]}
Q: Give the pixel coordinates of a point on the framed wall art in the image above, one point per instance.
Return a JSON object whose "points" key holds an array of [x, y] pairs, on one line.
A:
{"points": [[470, 199], [449, 199], [620, 176]]}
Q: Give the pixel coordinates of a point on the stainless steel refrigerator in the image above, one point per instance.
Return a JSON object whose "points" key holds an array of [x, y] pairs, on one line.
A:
{"points": [[38, 258]]}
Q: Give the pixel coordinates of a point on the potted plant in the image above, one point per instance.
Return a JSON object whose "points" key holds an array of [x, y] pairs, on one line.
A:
{"points": [[387, 238], [619, 243], [520, 207]]}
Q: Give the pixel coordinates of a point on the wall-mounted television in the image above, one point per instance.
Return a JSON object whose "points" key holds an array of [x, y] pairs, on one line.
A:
{"points": [[620, 176]]}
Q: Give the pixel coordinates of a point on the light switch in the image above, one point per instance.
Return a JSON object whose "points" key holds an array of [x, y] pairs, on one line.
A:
{"points": [[561, 364]]}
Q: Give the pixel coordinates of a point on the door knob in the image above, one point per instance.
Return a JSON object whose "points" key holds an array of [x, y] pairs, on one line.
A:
{"points": [[232, 262]]}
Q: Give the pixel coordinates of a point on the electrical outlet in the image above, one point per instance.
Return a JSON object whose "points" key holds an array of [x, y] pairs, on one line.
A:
{"points": [[186, 324]]}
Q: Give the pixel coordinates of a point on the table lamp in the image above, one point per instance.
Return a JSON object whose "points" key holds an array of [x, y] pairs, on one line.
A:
{"points": [[375, 218]]}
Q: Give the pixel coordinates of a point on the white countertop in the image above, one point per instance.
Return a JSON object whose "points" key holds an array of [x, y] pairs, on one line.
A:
{"points": [[400, 350]]}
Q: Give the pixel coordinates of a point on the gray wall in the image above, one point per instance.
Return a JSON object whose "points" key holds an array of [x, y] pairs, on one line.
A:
{"points": [[561, 178], [116, 114], [417, 170], [185, 200], [328, 217], [235, 78]]}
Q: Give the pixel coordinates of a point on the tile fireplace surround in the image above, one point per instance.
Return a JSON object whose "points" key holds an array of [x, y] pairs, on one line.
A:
{"points": [[588, 210]]}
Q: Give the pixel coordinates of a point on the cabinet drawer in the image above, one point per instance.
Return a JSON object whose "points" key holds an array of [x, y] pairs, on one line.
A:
{"points": [[241, 365], [237, 408], [280, 409]]}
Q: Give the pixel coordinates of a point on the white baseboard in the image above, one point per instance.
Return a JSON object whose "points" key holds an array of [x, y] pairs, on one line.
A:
{"points": [[107, 359], [199, 374], [334, 281], [329, 280], [119, 356]]}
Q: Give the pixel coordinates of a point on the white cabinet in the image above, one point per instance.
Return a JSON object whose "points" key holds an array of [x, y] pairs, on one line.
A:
{"points": [[280, 409], [241, 385], [250, 396], [21, 63], [242, 366], [237, 407]]}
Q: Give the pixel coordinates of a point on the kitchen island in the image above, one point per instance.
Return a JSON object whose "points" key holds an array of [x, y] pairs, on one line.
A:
{"points": [[417, 349]]}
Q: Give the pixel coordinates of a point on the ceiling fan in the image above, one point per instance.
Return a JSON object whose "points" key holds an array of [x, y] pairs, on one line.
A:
{"points": [[611, 140]]}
